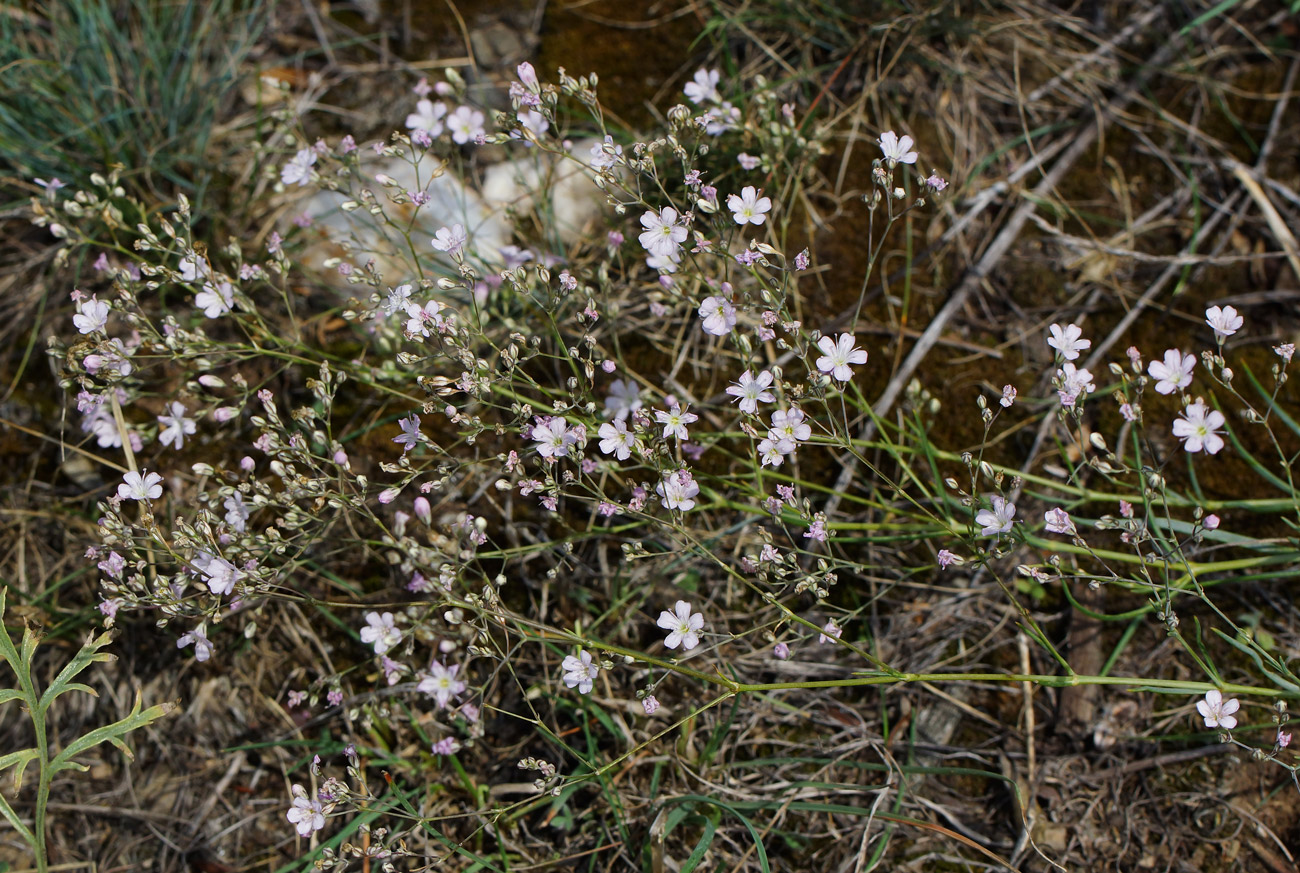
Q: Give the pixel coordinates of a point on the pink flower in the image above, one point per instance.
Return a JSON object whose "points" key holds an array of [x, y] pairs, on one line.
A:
{"points": [[897, 150], [1198, 428], [1218, 712], [1225, 321], [1174, 372], [683, 627], [838, 356]]}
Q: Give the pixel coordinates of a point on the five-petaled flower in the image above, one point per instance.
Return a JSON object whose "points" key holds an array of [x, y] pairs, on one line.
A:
{"points": [[450, 239], [381, 631], [465, 124], [1174, 373], [624, 398], [92, 315], [1057, 520], [748, 207], [1218, 712], [662, 236], [306, 813], [683, 627], [1198, 428], [298, 170], [997, 520], [428, 116], [838, 355], [553, 438], [704, 87], [719, 316], [441, 683], [410, 434], [176, 426], [1225, 321], [140, 487], [897, 150], [580, 671], [678, 491], [616, 439], [752, 390], [1068, 340], [675, 421]]}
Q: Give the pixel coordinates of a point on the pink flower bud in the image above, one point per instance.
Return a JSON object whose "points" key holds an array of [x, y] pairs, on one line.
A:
{"points": [[1211, 522], [388, 495], [422, 510], [247, 464]]}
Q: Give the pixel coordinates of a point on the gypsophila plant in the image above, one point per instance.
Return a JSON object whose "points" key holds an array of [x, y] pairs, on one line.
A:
{"points": [[509, 432]]}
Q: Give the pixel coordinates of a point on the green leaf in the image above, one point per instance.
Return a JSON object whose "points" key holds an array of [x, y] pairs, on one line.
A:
{"points": [[706, 840], [136, 719], [7, 811], [22, 759]]}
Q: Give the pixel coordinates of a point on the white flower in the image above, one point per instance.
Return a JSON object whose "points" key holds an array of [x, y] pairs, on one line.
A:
{"points": [[1008, 396], [553, 438], [306, 814], [749, 208], [1174, 373], [1225, 321], [1068, 340], [218, 574], [683, 627], [421, 318], [722, 119], [1218, 712], [624, 398], [772, 452], [199, 638], [194, 268], [997, 520], [427, 116], [216, 299], [450, 239], [662, 236], [719, 316], [176, 426], [616, 439], [675, 421], [381, 631], [752, 390], [896, 150], [580, 671], [1198, 428], [236, 511], [704, 87], [298, 171], [465, 124], [397, 299], [441, 683], [92, 315], [1072, 382], [1057, 520], [838, 355], [677, 491], [788, 425], [137, 487]]}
